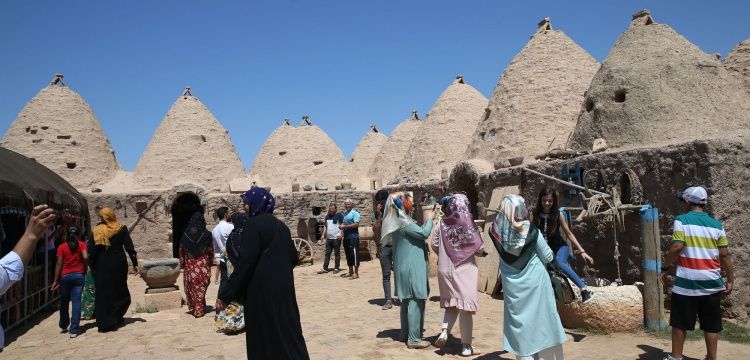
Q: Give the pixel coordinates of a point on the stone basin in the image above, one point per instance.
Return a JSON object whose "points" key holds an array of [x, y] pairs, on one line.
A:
{"points": [[160, 272]]}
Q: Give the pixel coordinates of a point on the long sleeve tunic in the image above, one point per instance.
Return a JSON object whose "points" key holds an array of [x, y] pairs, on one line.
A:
{"points": [[410, 261]]}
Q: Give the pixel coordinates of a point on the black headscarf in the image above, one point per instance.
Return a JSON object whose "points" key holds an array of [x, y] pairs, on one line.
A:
{"points": [[235, 237], [196, 237]]}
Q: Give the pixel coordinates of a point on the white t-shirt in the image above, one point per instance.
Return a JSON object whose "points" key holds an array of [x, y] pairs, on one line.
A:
{"points": [[220, 233]]}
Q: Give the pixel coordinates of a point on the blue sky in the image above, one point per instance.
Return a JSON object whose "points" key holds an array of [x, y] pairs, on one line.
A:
{"points": [[345, 63]]}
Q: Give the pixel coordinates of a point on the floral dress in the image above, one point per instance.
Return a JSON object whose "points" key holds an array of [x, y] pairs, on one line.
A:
{"points": [[197, 276], [232, 319]]}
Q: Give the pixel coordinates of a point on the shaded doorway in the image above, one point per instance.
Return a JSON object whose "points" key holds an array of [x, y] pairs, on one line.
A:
{"points": [[466, 183], [182, 208]]}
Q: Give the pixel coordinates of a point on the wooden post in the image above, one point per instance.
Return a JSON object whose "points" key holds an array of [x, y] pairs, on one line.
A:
{"points": [[653, 294]]}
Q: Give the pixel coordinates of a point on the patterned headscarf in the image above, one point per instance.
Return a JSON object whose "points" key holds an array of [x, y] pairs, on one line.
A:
{"points": [[259, 200], [107, 228], [511, 226], [196, 238], [459, 235], [395, 216]]}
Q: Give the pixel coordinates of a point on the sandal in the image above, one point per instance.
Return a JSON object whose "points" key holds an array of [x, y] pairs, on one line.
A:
{"points": [[346, 275], [469, 351], [355, 276]]}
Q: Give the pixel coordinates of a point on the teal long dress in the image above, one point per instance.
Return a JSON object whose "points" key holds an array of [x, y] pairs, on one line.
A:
{"points": [[411, 269], [531, 320]]}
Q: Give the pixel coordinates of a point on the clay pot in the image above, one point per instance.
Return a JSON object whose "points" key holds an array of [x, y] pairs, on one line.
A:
{"points": [[516, 161]]}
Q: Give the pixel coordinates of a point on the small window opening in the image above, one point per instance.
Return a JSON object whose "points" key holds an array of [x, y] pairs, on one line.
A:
{"points": [[316, 210], [45, 127], [203, 137], [28, 128], [492, 132], [71, 165], [33, 131], [282, 153], [481, 135], [317, 162], [620, 95], [589, 105], [63, 136], [36, 141]]}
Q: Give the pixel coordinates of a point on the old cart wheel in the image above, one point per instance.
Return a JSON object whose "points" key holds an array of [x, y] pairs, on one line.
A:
{"points": [[304, 250], [631, 191]]}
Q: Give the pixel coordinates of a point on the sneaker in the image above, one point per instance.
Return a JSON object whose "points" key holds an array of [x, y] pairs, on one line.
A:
{"points": [[469, 350], [420, 345], [669, 357], [73, 336], [336, 271], [586, 296], [354, 277], [388, 304], [442, 339], [324, 271]]}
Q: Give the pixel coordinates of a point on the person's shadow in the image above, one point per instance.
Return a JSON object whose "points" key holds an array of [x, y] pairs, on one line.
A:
{"points": [[654, 353], [389, 334]]}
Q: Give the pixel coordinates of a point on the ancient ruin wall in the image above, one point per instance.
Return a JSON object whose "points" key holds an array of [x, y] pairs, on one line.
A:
{"points": [[190, 145], [442, 139], [536, 100], [363, 157], [655, 88], [305, 153], [737, 63], [386, 165], [58, 129]]}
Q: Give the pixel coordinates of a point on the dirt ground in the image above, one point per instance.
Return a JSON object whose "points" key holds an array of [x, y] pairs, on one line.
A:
{"points": [[341, 319]]}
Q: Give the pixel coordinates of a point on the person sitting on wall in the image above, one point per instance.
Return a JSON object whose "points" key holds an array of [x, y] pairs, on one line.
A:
{"points": [[550, 221], [333, 236], [12, 264], [350, 227]]}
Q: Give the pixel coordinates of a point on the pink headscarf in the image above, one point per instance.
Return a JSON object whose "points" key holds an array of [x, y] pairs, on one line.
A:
{"points": [[457, 232]]}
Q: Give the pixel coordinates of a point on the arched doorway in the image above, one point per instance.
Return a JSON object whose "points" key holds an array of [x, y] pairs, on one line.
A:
{"points": [[182, 208]]}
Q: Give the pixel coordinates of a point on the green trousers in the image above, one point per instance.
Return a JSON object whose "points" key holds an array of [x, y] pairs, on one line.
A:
{"points": [[412, 319]]}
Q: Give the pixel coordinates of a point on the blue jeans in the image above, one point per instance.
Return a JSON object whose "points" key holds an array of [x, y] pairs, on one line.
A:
{"points": [[563, 253], [71, 286]]}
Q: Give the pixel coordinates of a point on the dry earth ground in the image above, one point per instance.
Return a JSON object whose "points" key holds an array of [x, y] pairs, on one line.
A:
{"points": [[341, 319]]}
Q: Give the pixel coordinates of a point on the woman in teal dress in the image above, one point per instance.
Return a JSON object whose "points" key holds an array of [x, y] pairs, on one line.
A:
{"points": [[409, 263], [532, 328]]}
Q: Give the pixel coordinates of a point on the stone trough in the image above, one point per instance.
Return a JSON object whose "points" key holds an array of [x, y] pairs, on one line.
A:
{"points": [[160, 276]]}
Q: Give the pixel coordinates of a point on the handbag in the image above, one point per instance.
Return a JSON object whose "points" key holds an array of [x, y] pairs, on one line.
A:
{"points": [[561, 286]]}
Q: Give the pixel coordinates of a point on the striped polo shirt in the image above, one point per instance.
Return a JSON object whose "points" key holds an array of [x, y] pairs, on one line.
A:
{"points": [[698, 268]]}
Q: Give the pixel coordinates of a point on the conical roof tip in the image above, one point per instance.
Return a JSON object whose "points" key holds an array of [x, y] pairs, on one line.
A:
{"points": [[58, 80], [374, 128], [187, 92], [305, 121], [544, 24], [459, 79], [286, 122], [641, 18], [414, 115]]}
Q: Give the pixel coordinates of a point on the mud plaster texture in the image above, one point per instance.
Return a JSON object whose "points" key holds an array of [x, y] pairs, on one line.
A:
{"points": [[190, 145], [536, 100], [363, 156], [391, 156], [722, 166], [305, 153], [737, 63], [442, 139], [656, 87], [58, 129]]}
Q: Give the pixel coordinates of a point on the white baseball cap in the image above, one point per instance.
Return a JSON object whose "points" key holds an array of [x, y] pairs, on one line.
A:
{"points": [[695, 195]]}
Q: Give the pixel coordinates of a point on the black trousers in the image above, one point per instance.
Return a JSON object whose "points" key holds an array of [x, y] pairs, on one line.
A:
{"points": [[223, 271], [332, 245], [386, 264], [351, 250]]}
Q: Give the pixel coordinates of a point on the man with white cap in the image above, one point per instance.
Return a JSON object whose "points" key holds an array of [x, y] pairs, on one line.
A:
{"points": [[699, 249]]}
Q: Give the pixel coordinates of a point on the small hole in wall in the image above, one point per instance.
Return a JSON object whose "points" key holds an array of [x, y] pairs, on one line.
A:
{"points": [[282, 153], [492, 133], [33, 131], [28, 128], [203, 137], [317, 162], [70, 165], [45, 127], [63, 136], [620, 95], [589, 105]]}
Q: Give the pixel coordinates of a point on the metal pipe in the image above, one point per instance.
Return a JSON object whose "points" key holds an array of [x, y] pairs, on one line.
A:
{"points": [[568, 183]]}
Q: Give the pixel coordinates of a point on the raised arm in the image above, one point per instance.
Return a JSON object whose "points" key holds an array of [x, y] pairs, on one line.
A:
{"points": [[42, 217]]}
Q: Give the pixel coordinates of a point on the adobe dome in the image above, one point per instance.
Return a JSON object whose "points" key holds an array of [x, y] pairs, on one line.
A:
{"points": [[655, 88], [58, 129], [537, 98], [738, 63], [190, 145], [391, 155], [446, 132], [364, 155], [305, 153]]}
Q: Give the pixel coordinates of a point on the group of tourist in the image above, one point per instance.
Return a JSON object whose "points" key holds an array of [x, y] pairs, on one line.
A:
{"points": [[341, 226]]}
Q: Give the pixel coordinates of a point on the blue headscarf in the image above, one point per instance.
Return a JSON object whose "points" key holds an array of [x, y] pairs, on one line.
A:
{"points": [[259, 200]]}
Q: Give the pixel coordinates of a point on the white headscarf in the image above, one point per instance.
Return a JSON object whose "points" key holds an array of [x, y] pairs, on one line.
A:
{"points": [[511, 226], [395, 217]]}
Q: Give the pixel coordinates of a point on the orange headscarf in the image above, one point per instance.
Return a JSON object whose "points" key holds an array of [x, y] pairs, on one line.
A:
{"points": [[108, 228]]}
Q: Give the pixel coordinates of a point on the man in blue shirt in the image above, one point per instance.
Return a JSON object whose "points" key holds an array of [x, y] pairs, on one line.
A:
{"points": [[350, 227]]}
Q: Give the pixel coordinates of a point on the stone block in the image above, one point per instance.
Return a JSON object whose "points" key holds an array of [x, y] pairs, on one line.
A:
{"points": [[613, 309], [164, 301]]}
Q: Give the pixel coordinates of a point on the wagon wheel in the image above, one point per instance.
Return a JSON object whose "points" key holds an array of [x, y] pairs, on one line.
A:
{"points": [[631, 190], [304, 250]]}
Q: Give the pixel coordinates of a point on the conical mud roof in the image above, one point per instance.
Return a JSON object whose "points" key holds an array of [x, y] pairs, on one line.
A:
{"points": [[537, 98], [190, 146], [58, 129], [738, 64], [305, 153], [364, 155], [655, 88], [391, 155], [446, 132]]}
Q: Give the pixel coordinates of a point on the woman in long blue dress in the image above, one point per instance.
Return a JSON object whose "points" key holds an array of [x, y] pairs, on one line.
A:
{"points": [[531, 328]]}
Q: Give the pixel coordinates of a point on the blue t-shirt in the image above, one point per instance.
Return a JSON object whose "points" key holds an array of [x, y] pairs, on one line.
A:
{"points": [[351, 217]]}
